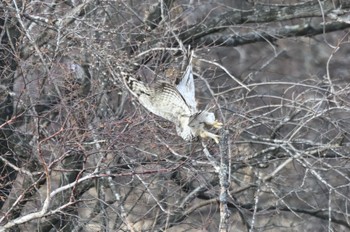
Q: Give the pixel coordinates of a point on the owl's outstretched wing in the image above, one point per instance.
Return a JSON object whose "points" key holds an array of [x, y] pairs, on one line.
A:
{"points": [[161, 99], [186, 86]]}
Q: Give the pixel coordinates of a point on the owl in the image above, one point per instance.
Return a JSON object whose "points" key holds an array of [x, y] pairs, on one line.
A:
{"points": [[175, 103]]}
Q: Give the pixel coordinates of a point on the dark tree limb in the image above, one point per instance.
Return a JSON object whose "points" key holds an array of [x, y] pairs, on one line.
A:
{"points": [[199, 34], [272, 35]]}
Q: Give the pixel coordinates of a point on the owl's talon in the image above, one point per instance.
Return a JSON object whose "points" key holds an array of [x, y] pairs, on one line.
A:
{"points": [[217, 124], [206, 134], [216, 139]]}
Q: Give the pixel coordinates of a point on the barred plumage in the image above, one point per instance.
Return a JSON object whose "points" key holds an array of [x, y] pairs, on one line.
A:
{"points": [[176, 104]]}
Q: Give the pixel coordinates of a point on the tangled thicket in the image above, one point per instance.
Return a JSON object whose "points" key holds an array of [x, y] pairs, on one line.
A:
{"points": [[78, 153]]}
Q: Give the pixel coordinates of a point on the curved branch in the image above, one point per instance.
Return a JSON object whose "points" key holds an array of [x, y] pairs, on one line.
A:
{"points": [[263, 14], [273, 35]]}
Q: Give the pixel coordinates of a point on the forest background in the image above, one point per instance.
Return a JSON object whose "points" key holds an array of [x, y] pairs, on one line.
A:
{"points": [[79, 153]]}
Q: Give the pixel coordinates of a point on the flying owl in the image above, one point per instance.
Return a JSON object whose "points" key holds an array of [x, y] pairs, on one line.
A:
{"points": [[176, 104]]}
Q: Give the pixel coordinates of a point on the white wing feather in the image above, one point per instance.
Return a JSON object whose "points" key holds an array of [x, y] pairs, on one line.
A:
{"points": [[186, 87]]}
